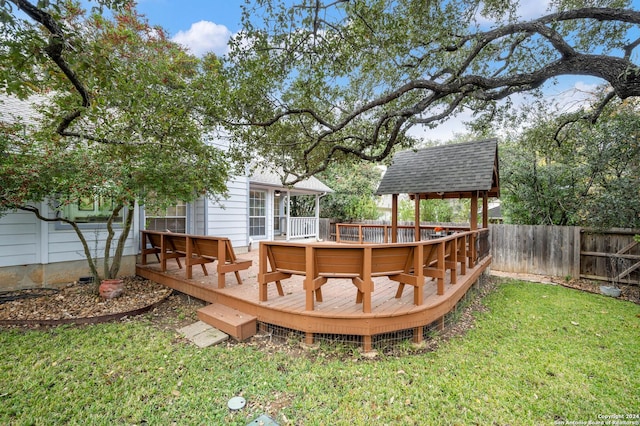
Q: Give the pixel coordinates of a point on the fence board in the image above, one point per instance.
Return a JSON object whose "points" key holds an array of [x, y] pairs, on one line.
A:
{"points": [[535, 249], [610, 255]]}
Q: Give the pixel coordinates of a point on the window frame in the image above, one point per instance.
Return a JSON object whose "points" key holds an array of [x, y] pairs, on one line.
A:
{"points": [[261, 208], [82, 207]]}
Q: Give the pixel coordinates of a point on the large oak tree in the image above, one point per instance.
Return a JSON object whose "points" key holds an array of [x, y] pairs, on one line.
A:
{"points": [[315, 81]]}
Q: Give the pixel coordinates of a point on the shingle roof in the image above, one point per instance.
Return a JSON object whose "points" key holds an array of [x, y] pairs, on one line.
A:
{"points": [[272, 178], [455, 168]]}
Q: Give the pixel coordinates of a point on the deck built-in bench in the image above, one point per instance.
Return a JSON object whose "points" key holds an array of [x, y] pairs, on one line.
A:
{"points": [[405, 263], [194, 250]]}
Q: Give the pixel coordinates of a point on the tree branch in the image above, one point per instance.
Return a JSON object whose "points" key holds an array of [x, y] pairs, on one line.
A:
{"points": [[54, 51]]}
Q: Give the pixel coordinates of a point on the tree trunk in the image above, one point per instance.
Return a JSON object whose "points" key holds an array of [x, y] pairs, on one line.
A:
{"points": [[126, 229]]}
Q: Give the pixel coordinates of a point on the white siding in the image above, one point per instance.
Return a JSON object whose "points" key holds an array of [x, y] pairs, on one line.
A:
{"points": [[200, 208], [230, 219], [64, 245], [19, 239]]}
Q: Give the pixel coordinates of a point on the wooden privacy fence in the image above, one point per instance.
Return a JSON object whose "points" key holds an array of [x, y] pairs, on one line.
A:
{"points": [[567, 251]]}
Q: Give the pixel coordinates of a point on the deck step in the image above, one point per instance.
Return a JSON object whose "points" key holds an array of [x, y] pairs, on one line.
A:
{"points": [[237, 324]]}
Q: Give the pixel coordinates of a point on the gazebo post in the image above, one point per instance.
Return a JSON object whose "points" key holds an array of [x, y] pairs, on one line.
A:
{"points": [[474, 227], [474, 211], [416, 218], [394, 218], [485, 210]]}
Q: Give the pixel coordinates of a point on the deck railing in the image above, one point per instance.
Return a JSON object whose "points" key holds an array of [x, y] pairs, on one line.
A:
{"points": [[302, 227], [381, 233], [479, 243]]}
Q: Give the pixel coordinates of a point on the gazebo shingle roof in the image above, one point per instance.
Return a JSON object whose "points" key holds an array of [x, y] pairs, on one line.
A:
{"points": [[455, 170]]}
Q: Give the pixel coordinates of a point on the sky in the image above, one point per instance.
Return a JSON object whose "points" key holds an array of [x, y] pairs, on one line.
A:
{"points": [[207, 25]]}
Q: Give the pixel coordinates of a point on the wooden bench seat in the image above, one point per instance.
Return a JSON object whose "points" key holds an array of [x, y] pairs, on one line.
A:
{"points": [[160, 247], [321, 262], [196, 250], [406, 263]]}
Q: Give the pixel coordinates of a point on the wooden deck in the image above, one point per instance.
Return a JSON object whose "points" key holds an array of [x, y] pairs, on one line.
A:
{"points": [[337, 314]]}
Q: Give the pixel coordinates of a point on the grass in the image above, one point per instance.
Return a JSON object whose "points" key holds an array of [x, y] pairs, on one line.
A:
{"points": [[539, 354]]}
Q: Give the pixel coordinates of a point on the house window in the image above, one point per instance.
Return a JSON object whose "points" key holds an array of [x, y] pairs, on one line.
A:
{"points": [[257, 213], [173, 218], [92, 211]]}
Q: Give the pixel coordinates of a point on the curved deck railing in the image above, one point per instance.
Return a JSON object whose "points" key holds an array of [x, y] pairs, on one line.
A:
{"points": [[407, 263], [382, 233]]}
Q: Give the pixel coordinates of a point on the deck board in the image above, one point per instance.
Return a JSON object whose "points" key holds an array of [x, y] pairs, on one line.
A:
{"points": [[338, 313]]}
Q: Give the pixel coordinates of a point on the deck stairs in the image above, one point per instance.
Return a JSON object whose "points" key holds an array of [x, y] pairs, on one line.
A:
{"points": [[235, 323]]}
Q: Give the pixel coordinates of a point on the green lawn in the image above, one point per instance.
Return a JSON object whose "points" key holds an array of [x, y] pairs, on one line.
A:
{"points": [[539, 354]]}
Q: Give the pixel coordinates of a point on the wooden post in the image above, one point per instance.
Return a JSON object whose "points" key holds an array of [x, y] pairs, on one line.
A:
{"points": [[453, 260], [394, 218], [416, 218], [472, 253], [441, 268], [262, 271], [485, 210], [163, 250], [474, 211], [366, 343], [308, 338], [462, 255], [222, 260], [189, 257], [367, 282], [417, 334], [308, 280], [577, 247], [418, 290]]}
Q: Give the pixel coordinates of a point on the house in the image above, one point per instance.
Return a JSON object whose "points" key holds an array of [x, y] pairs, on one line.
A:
{"points": [[36, 253]]}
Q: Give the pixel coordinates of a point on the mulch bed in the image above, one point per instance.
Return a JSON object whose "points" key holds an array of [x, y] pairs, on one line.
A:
{"points": [[79, 303]]}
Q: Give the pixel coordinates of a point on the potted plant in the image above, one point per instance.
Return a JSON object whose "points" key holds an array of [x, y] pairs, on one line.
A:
{"points": [[111, 288]]}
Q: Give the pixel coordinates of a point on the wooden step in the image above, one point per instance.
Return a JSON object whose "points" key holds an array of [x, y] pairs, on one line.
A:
{"points": [[237, 324]]}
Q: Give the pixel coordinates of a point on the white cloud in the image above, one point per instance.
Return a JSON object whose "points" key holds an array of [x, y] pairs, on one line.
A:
{"points": [[203, 37], [579, 95], [525, 11], [533, 9]]}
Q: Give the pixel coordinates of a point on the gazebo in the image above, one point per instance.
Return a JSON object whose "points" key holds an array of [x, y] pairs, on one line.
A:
{"points": [[462, 170]]}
